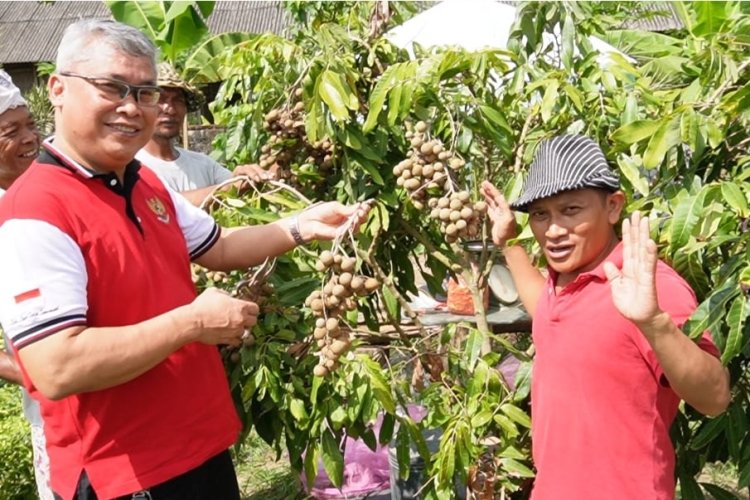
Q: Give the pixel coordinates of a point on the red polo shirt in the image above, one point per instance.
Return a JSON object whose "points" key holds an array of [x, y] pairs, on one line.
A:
{"points": [[601, 408], [78, 248]]}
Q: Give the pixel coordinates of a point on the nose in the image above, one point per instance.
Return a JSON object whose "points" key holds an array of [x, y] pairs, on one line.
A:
{"points": [[129, 105], [555, 230]]}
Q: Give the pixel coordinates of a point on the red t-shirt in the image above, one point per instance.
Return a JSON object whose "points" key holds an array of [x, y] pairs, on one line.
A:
{"points": [[601, 408], [78, 248]]}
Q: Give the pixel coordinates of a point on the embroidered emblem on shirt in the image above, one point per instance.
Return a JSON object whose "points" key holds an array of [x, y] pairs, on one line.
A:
{"points": [[158, 208], [30, 294]]}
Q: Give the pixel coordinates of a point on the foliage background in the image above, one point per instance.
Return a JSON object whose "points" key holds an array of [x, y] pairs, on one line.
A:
{"points": [[675, 123]]}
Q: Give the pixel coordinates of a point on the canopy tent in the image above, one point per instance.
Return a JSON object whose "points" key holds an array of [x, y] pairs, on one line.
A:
{"points": [[470, 24]]}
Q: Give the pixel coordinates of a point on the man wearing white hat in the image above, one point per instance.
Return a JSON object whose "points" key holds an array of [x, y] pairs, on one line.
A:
{"points": [[192, 174], [611, 362], [19, 146]]}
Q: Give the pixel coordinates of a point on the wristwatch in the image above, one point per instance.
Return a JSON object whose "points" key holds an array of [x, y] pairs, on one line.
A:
{"points": [[294, 230]]}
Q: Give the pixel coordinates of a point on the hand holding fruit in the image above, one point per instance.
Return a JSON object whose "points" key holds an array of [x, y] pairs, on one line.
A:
{"points": [[329, 220], [220, 318]]}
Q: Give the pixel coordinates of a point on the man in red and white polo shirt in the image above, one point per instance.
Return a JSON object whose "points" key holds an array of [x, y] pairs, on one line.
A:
{"points": [[611, 363], [97, 298]]}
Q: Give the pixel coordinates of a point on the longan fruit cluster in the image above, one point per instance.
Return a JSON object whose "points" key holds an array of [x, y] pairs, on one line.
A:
{"points": [[424, 169], [259, 291], [201, 276], [459, 217], [288, 144], [331, 303]]}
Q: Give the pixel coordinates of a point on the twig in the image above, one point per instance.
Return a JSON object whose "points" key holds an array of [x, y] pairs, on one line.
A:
{"points": [[715, 96], [427, 244], [244, 178]]}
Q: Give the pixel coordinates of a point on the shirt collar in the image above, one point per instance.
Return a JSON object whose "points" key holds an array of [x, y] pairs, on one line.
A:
{"points": [[66, 161]]}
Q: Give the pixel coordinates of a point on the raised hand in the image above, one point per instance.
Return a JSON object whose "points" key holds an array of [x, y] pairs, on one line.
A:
{"points": [[502, 217], [634, 286], [221, 318], [327, 221]]}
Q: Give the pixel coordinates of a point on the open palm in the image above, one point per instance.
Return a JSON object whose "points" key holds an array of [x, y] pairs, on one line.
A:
{"points": [[634, 286]]}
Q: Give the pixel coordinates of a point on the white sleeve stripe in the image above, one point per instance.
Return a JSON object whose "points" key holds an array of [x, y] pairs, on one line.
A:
{"points": [[47, 328], [204, 247]]}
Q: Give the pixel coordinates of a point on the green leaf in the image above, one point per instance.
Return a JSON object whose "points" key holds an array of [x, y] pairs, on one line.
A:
{"points": [[630, 114], [630, 169], [666, 137], [718, 493], [148, 17], [689, 488], [736, 318], [473, 347], [708, 432], [204, 64], [496, 117], [311, 461], [711, 311], [710, 16], [568, 41], [394, 104], [734, 197], [685, 218], [380, 387], [402, 452], [549, 100], [744, 479], [333, 460], [635, 131], [690, 266], [297, 409], [507, 425], [386, 428], [515, 468], [516, 414], [391, 302], [575, 96], [184, 30], [394, 75], [333, 94], [481, 419]]}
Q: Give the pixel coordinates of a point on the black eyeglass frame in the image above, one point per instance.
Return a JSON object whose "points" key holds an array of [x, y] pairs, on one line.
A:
{"points": [[128, 89]]}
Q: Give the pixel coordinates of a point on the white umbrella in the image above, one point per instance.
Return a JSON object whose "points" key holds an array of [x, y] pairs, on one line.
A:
{"points": [[469, 24]]}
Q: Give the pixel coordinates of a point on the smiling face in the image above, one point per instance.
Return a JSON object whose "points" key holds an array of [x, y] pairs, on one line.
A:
{"points": [[19, 144], [172, 111], [576, 229], [94, 127]]}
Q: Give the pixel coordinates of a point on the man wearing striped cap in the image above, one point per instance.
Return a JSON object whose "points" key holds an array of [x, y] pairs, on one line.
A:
{"points": [[611, 362]]}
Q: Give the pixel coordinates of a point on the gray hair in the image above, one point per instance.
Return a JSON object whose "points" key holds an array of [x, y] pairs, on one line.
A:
{"points": [[80, 36]]}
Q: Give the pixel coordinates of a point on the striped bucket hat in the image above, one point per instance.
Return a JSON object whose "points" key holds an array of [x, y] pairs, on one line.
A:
{"points": [[564, 163]]}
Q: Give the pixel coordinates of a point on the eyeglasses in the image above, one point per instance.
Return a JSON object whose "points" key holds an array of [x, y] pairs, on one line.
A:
{"points": [[117, 90]]}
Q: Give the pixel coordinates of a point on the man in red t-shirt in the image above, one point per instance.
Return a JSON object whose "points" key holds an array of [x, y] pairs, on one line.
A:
{"points": [[611, 363], [97, 298]]}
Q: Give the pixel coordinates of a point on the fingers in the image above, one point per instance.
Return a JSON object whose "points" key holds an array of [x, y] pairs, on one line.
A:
{"points": [[254, 172], [640, 253], [496, 203], [611, 271]]}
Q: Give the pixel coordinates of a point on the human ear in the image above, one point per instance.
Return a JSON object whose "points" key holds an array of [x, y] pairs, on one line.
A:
{"points": [[55, 89], [615, 205]]}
